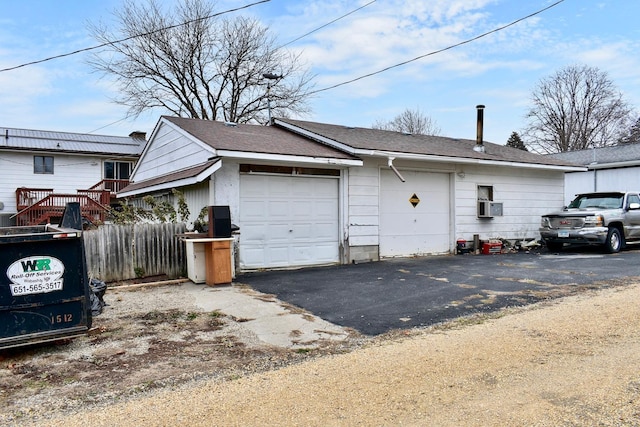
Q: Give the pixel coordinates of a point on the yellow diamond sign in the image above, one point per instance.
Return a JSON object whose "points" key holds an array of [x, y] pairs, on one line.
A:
{"points": [[414, 200]]}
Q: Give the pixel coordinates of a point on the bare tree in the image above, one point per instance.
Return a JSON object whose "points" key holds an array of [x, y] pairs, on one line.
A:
{"points": [[410, 121], [192, 64], [632, 136], [576, 108]]}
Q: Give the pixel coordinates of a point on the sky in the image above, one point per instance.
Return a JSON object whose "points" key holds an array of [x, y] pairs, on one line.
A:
{"points": [[499, 70]]}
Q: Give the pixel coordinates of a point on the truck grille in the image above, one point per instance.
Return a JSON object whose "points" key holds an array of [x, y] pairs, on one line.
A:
{"points": [[566, 222]]}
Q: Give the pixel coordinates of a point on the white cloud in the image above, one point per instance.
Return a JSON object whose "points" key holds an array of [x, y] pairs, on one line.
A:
{"points": [[390, 33]]}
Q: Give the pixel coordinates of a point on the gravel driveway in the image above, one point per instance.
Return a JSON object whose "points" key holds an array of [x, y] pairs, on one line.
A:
{"points": [[573, 361], [184, 355]]}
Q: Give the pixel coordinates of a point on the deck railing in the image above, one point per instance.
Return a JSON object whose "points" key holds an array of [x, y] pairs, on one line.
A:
{"points": [[50, 209], [42, 206], [26, 197], [101, 196], [112, 185]]}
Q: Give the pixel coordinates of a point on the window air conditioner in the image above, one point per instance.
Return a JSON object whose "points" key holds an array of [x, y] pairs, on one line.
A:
{"points": [[488, 209]]}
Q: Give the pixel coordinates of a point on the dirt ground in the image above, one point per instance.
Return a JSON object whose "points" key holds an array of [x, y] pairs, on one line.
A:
{"points": [[154, 360], [147, 338]]}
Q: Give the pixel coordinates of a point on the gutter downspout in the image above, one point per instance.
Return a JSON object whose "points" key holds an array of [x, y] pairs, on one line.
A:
{"points": [[393, 168]]}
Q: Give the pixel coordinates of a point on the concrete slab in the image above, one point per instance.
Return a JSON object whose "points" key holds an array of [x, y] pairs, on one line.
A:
{"points": [[273, 321]]}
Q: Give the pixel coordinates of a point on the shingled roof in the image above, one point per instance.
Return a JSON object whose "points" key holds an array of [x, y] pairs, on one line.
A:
{"points": [[254, 139], [366, 139], [602, 156], [185, 174]]}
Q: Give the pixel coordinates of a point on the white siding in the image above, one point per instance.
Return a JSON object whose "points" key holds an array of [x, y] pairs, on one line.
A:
{"points": [[170, 152], [222, 188], [578, 182], [623, 179], [620, 179], [363, 210], [526, 194], [70, 173], [197, 198], [226, 187]]}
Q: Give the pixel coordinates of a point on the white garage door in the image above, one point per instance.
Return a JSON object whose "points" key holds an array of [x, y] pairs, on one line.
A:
{"points": [[406, 229], [288, 221]]}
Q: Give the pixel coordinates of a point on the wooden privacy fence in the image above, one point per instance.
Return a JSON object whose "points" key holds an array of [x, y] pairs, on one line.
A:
{"points": [[123, 252]]}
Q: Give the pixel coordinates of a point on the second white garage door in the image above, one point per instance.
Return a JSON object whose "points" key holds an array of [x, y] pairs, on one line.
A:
{"points": [[415, 214], [288, 221]]}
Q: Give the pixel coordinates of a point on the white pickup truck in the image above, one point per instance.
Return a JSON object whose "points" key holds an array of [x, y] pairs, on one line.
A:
{"points": [[608, 219]]}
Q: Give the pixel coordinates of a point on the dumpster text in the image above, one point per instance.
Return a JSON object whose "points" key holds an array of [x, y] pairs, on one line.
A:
{"points": [[35, 275]]}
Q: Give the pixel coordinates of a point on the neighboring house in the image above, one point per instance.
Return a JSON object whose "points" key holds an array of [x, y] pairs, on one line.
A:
{"points": [[43, 170], [615, 168], [307, 193]]}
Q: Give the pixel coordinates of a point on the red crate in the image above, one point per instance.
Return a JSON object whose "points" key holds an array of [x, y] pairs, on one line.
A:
{"points": [[491, 248]]}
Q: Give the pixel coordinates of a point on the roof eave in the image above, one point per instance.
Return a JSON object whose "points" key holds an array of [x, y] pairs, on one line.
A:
{"points": [[172, 184], [613, 165], [467, 160], [70, 152], [289, 158]]}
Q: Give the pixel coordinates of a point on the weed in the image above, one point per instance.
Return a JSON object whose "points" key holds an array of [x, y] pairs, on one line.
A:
{"points": [[139, 271], [37, 384]]}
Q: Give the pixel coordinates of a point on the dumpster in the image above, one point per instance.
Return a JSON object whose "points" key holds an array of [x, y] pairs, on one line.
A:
{"points": [[44, 289]]}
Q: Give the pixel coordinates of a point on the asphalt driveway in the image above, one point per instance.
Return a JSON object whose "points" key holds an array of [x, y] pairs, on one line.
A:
{"points": [[400, 293]]}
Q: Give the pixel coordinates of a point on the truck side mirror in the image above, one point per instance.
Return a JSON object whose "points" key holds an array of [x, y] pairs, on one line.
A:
{"points": [[634, 206]]}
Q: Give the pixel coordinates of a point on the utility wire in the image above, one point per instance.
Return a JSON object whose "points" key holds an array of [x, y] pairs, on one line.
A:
{"points": [[290, 42], [328, 23], [86, 49], [495, 30], [110, 124], [286, 44]]}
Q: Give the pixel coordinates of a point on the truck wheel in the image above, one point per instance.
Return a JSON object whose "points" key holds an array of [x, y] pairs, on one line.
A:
{"points": [[613, 243], [554, 246]]}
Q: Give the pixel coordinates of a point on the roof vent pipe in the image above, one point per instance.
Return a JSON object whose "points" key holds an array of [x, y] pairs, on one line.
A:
{"points": [[393, 168], [479, 143]]}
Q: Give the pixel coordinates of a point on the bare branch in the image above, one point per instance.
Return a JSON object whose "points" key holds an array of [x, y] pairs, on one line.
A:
{"points": [[207, 68], [410, 121], [576, 108]]}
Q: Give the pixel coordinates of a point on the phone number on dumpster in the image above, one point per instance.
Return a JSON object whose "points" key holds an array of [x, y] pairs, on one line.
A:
{"points": [[35, 288]]}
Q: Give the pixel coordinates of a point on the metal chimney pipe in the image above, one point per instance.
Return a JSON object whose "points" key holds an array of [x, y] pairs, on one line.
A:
{"points": [[479, 143]]}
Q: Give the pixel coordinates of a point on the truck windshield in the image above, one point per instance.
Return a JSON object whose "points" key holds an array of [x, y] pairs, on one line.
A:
{"points": [[599, 201]]}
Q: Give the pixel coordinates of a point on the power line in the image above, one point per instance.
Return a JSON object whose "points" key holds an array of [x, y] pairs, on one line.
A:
{"points": [[86, 49], [286, 44], [139, 35], [495, 30], [110, 124], [328, 23]]}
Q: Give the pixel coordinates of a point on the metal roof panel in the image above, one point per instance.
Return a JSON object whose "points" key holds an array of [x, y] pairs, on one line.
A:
{"points": [[28, 139]]}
